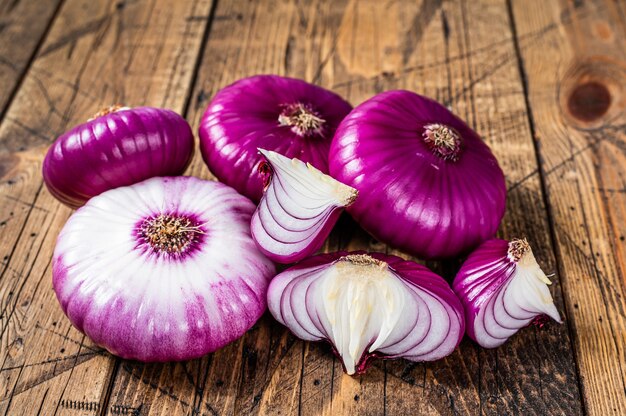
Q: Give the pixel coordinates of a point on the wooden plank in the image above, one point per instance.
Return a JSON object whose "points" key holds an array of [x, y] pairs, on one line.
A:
{"points": [[23, 25], [576, 79], [140, 52], [461, 53]]}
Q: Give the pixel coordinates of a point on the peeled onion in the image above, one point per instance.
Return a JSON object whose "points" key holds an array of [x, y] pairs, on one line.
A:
{"points": [[427, 183], [162, 270], [299, 207], [120, 146], [502, 289], [285, 115], [368, 305]]}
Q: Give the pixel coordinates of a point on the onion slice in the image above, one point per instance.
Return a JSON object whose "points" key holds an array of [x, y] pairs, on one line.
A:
{"points": [[502, 289], [298, 209], [368, 305]]}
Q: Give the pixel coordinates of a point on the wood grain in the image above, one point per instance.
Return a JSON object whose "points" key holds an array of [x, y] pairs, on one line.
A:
{"points": [[447, 51], [23, 26], [542, 82], [576, 79], [95, 54]]}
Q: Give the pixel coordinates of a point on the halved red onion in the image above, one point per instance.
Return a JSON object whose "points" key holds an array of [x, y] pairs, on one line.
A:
{"points": [[427, 183], [298, 209], [368, 305], [502, 289], [162, 270], [119, 146], [286, 115]]}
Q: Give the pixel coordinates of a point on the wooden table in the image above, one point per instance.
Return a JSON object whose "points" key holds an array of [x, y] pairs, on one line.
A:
{"points": [[543, 81]]}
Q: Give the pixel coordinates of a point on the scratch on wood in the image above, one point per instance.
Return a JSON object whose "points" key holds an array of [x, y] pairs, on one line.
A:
{"points": [[116, 409], [76, 34], [167, 393], [420, 22]]}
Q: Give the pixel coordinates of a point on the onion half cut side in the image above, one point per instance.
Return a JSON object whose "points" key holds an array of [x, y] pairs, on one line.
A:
{"points": [[163, 270], [299, 207], [503, 289], [368, 305]]}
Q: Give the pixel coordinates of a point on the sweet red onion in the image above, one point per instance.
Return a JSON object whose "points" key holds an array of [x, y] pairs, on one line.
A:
{"points": [[427, 183], [368, 305], [162, 270], [288, 116], [299, 207], [119, 146], [502, 289]]}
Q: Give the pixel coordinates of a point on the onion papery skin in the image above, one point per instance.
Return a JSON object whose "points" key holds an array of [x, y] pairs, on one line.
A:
{"points": [[119, 148], [155, 305], [392, 309], [298, 210], [245, 116], [501, 294], [426, 204]]}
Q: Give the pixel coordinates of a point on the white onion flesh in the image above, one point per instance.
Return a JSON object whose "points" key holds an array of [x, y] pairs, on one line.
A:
{"points": [[502, 294], [367, 308], [298, 209]]}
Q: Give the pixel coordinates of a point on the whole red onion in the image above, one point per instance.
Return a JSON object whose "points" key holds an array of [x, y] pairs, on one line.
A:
{"points": [[427, 183], [162, 270], [286, 115], [119, 146]]}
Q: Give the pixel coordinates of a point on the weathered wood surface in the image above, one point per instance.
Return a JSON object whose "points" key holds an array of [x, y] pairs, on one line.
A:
{"points": [[95, 54], [527, 76], [576, 90]]}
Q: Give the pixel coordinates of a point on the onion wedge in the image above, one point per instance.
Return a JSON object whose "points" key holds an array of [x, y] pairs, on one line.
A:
{"points": [[299, 207], [503, 289]]}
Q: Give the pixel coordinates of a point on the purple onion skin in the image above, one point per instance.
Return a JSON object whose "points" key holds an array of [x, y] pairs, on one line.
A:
{"points": [[409, 197], [243, 117], [143, 305], [117, 149], [485, 254]]}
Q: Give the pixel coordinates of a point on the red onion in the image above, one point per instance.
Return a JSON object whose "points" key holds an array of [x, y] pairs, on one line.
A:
{"points": [[298, 209], [427, 184], [368, 305], [119, 146], [162, 270], [502, 289], [289, 116]]}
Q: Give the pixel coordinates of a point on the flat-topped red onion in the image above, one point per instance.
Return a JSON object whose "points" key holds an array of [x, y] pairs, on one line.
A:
{"points": [[162, 270], [299, 207], [119, 146], [286, 115], [502, 289], [368, 305], [427, 183]]}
